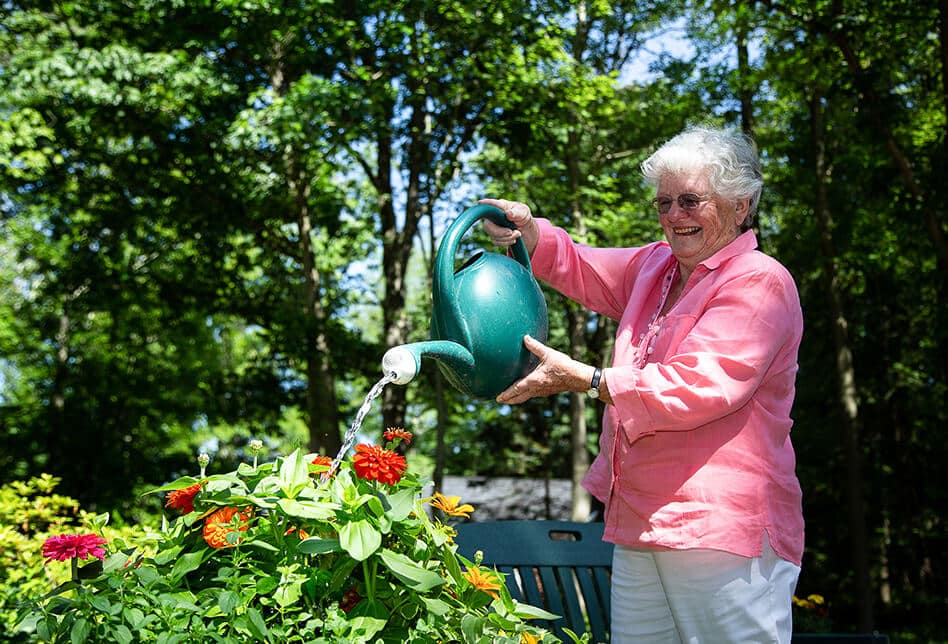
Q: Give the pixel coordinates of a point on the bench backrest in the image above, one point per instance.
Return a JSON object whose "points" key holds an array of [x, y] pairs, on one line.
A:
{"points": [[566, 568], [561, 566]]}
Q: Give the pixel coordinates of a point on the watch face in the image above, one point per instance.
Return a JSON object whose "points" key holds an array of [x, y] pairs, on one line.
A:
{"points": [[592, 393]]}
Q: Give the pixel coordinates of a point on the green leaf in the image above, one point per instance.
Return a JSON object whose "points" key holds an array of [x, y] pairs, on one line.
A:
{"points": [[169, 555], [134, 617], [122, 635], [115, 561], [80, 630], [527, 611], [257, 625], [367, 619], [147, 574], [180, 484], [294, 474], [188, 562], [102, 604], [228, 601], [360, 539], [400, 505], [308, 509], [267, 585], [436, 606], [317, 546], [289, 591], [472, 626], [410, 572], [452, 566]]}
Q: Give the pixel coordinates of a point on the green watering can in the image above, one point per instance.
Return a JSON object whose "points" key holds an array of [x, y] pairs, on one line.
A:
{"points": [[479, 316]]}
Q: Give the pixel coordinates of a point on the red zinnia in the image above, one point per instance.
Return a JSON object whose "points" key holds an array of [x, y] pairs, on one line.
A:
{"points": [[349, 600], [396, 434], [371, 462], [183, 499], [71, 546]]}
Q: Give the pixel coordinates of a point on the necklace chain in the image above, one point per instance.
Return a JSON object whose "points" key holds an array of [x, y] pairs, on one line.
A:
{"points": [[646, 343]]}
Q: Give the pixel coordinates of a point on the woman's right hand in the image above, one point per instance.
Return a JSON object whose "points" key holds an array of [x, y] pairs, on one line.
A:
{"points": [[520, 216]]}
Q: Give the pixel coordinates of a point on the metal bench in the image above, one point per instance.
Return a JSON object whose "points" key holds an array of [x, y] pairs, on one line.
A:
{"points": [[565, 567], [560, 566]]}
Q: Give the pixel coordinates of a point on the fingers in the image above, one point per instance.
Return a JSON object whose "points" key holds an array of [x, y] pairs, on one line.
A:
{"points": [[525, 389], [514, 395], [501, 235], [517, 213], [534, 346]]}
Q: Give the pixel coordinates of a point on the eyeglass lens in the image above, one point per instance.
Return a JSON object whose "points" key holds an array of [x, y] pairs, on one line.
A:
{"points": [[686, 201]]}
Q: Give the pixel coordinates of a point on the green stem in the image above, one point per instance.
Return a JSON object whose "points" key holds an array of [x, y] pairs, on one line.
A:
{"points": [[75, 568], [368, 571]]}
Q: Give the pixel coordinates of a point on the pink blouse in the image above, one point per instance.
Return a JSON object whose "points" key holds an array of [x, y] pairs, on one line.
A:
{"points": [[695, 452]]}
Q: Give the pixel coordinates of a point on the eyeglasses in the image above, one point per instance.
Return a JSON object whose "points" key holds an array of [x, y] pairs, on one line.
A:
{"points": [[687, 201]]}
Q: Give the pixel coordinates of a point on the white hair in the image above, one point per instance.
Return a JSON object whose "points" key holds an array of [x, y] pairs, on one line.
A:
{"points": [[729, 159]]}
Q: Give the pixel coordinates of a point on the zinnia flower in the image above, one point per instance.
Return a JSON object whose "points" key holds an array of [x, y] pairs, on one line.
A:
{"points": [[397, 434], [72, 546], [349, 600], [483, 580], [371, 462], [325, 461], [220, 523], [449, 505], [301, 533], [183, 499], [528, 638]]}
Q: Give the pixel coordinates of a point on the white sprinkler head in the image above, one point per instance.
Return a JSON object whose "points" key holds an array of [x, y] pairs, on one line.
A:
{"points": [[400, 363]]}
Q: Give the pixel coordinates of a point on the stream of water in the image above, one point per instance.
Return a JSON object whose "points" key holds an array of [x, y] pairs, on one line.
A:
{"points": [[350, 436]]}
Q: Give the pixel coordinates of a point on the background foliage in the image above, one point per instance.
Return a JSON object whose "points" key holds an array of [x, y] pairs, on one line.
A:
{"points": [[215, 217]]}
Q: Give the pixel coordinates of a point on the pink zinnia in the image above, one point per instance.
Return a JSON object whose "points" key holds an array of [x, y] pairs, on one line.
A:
{"points": [[72, 546]]}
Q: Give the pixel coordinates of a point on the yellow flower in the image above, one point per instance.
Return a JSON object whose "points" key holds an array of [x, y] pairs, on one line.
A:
{"points": [[816, 599], [449, 505], [529, 638], [483, 580]]}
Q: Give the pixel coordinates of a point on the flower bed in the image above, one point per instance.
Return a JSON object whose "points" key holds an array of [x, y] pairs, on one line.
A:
{"points": [[287, 551]]}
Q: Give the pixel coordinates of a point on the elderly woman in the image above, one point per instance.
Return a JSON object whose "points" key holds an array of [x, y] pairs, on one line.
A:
{"points": [[696, 468]]}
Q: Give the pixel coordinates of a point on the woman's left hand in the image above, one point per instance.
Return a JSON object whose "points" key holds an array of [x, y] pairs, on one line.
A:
{"points": [[556, 373]]}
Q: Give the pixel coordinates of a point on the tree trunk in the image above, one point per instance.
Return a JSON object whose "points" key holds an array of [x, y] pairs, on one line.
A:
{"points": [[846, 379], [321, 404], [743, 77], [394, 265]]}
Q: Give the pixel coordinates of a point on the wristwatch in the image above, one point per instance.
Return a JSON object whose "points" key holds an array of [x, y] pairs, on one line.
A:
{"points": [[593, 391]]}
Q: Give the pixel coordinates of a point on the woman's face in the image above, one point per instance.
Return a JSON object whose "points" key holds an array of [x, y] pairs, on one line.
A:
{"points": [[695, 234]]}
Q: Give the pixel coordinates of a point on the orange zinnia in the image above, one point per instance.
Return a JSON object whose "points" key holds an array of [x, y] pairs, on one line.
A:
{"points": [[449, 505], [220, 523], [183, 499], [301, 533], [396, 434], [483, 580], [371, 462]]}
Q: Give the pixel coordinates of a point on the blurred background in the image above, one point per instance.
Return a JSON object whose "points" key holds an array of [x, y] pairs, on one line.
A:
{"points": [[216, 216]]}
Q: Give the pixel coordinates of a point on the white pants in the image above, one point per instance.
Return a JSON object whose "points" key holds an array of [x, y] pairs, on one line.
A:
{"points": [[701, 597]]}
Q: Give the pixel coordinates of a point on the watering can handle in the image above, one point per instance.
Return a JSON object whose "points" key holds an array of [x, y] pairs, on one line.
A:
{"points": [[443, 278], [470, 217]]}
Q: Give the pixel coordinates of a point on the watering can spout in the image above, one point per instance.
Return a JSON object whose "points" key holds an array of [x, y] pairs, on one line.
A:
{"points": [[403, 362]]}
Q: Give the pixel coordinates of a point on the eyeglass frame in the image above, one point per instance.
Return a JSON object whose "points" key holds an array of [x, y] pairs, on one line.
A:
{"points": [[687, 201]]}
